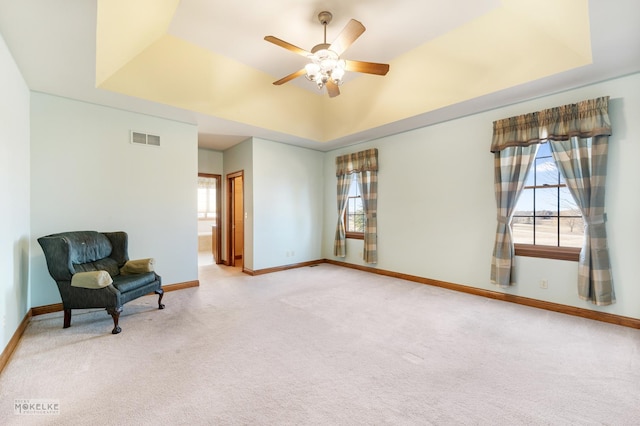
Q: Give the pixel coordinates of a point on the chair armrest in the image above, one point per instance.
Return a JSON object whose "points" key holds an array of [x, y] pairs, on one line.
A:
{"points": [[91, 279], [138, 266]]}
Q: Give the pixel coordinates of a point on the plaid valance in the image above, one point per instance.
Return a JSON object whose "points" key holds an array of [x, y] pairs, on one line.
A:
{"points": [[363, 161], [584, 119]]}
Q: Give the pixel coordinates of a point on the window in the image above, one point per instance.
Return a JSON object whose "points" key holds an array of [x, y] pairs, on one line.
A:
{"points": [[206, 198], [354, 213], [547, 221]]}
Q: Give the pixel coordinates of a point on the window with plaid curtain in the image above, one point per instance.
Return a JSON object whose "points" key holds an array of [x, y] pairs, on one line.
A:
{"points": [[365, 164], [578, 135]]}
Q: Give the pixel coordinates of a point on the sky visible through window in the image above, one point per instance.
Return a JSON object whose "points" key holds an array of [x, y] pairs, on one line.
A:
{"points": [[355, 211]]}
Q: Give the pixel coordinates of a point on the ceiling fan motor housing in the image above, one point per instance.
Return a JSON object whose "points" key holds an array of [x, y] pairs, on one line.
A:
{"points": [[325, 17], [321, 46]]}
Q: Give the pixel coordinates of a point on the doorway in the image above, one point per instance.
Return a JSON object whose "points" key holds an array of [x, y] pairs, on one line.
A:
{"points": [[209, 218], [235, 219]]}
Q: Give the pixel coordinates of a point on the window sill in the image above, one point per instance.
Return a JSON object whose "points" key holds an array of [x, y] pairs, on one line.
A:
{"points": [[548, 252], [354, 235]]}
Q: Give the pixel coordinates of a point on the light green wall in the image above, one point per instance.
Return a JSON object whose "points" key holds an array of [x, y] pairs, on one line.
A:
{"points": [[436, 205], [287, 204], [283, 187], [210, 161], [86, 175], [14, 192]]}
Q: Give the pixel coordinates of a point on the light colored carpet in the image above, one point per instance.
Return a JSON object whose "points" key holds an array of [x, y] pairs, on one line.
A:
{"points": [[325, 345]]}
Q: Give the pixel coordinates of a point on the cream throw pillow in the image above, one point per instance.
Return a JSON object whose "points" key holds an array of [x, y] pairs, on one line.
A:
{"points": [[91, 279], [137, 266]]}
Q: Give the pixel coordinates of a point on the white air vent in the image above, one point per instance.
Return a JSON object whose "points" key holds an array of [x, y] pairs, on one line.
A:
{"points": [[144, 139]]}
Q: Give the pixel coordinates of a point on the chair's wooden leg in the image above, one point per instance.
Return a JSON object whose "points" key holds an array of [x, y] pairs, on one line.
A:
{"points": [[160, 292], [115, 314], [67, 318]]}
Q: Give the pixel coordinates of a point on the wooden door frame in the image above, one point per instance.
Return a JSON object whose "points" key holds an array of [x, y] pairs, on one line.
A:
{"points": [[231, 261], [218, 241]]}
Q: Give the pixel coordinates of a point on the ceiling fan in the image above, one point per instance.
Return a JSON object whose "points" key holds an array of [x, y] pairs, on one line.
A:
{"points": [[326, 68]]}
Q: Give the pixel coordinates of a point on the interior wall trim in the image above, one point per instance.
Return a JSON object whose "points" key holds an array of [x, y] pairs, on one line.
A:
{"points": [[46, 309], [180, 286], [283, 267], [57, 307], [13, 343]]}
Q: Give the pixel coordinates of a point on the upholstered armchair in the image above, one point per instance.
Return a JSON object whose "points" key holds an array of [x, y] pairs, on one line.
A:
{"points": [[93, 270]]}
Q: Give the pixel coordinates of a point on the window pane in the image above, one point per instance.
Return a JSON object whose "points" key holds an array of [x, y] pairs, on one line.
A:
{"points": [[358, 206], [544, 150], [355, 215], [522, 221], [571, 231], [354, 190], [546, 202], [524, 207], [351, 206], [359, 223], [546, 171], [356, 223], [522, 230], [546, 231]]}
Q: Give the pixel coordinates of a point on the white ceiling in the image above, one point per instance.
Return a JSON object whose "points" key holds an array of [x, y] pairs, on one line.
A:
{"points": [[54, 44], [393, 28]]}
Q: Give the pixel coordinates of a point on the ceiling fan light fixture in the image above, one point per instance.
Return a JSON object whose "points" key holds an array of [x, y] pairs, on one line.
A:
{"points": [[325, 66], [337, 73], [326, 58], [313, 71]]}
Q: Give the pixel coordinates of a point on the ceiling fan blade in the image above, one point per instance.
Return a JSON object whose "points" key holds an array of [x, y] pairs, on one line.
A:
{"points": [[349, 34], [288, 46], [290, 77], [332, 89], [367, 67]]}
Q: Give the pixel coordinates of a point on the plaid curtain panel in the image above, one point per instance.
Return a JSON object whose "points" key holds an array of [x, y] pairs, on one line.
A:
{"points": [[579, 141], [583, 163], [340, 242], [511, 166], [365, 164], [578, 136], [368, 182]]}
